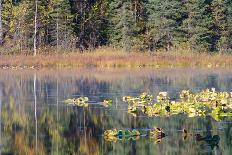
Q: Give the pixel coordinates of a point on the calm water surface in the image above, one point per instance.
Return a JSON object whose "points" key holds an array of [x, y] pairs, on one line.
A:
{"points": [[34, 119]]}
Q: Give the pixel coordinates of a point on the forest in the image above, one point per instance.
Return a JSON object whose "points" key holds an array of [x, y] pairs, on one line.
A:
{"points": [[135, 25]]}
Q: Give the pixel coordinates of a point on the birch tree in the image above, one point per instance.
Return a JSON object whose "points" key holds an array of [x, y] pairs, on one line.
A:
{"points": [[35, 28]]}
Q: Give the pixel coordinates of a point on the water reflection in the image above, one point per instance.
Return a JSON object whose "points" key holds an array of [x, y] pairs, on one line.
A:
{"points": [[34, 120]]}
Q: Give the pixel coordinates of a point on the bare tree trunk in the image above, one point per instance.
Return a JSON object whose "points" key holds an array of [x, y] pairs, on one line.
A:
{"points": [[1, 116], [1, 29], [57, 110], [57, 30], [35, 106], [35, 31]]}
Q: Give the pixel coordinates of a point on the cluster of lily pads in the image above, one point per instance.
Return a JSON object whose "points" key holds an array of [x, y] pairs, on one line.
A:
{"points": [[115, 135], [157, 134], [205, 103], [81, 101], [84, 102]]}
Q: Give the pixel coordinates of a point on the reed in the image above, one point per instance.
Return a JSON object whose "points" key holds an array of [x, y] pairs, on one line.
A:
{"points": [[116, 58]]}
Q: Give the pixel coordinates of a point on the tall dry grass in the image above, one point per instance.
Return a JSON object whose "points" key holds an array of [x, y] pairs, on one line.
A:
{"points": [[108, 57]]}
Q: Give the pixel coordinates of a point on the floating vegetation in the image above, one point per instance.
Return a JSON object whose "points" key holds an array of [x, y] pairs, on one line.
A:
{"points": [[107, 102], [157, 133], [205, 103], [114, 135], [143, 99], [81, 101]]}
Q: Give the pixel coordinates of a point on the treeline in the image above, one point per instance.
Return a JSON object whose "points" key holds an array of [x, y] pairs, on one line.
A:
{"points": [[199, 25]]}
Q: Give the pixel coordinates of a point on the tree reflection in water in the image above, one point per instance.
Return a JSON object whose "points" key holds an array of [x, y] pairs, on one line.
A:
{"points": [[78, 131], [63, 129]]}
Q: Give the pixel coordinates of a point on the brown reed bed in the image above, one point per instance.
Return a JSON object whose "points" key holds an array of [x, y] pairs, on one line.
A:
{"points": [[112, 58]]}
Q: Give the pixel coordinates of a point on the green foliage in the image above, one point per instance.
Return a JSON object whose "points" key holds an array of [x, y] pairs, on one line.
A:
{"points": [[89, 23], [202, 25], [205, 103], [122, 24], [13, 119], [165, 20], [81, 101], [107, 102]]}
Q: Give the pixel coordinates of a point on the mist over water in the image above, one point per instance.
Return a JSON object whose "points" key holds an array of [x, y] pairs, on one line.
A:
{"points": [[35, 120]]}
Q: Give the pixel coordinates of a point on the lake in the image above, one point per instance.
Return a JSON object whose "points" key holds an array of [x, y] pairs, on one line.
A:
{"points": [[35, 120]]}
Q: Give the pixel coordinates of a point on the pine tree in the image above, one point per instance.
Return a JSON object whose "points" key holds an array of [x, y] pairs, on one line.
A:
{"points": [[7, 19], [64, 32], [1, 27], [201, 25], [219, 12], [89, 22], [19, 28], [122, 24], [228, 31], [165, 19], [57, 22]]}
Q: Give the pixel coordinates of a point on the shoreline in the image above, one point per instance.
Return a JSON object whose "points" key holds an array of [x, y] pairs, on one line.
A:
{"points": [[111, 74], [112, 59]]}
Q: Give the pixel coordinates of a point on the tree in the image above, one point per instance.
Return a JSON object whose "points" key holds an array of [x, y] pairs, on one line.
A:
{"points": [[7, 22], [223, 18], [219, 12], [122, 24], [89, 23], [201, 26], [35, 30], [228, 4], [165, 19], [1, 28], [65, 28]]}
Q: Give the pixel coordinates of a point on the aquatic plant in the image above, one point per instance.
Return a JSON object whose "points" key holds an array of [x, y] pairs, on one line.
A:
{"points": [[157, 133], [141, 100], [204, 103], [81, 101], [107, 102], [162, 97], [114, 135]]}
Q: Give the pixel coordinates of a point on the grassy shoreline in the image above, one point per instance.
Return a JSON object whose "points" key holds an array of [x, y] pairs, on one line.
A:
{"points": [[117, 59]]}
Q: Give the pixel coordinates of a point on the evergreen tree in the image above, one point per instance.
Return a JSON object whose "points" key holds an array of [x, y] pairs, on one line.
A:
{"points": [[204, 25], [7, 19], [201, 26], [122, 24], [89, 22], [57, 22], [164, 23], [219, 12], [228, 32], [64, 19], [141, 17]]}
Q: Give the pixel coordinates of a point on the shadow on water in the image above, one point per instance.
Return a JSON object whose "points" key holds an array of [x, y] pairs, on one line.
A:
{"points": [[34, 120]]}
